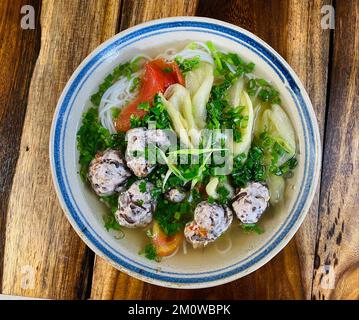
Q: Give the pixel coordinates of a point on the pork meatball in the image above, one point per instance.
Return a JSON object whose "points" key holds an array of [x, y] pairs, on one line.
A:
{"points": [[108, 172], [136, 205], [210, 221], [175, 195], [250, 203], [137, 141]]}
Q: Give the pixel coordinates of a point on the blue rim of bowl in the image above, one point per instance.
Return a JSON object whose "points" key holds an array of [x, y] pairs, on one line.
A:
{"points": [[72, 208]]}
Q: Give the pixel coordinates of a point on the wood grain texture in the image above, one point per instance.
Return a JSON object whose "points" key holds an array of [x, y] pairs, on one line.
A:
{"points": [[308, 54], [293, 29], [337, 254], [18, 52], [134, 12], [321, 262], [43, 255]]}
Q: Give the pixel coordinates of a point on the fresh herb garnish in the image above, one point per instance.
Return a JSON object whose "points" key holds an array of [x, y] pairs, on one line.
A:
{"points": [[249, 169], [187, 65], [135, 121], [149, 251], [143, 186], [266, 91], [229, 65], [144, 106], [135, 84], [172, 217], [109, 218], [277, 155], [93, 138], [125, 69], [157, 114], [223, 195], [252, 227], [167, 70]]}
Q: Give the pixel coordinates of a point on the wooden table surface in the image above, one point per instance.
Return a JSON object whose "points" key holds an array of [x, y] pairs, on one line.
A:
{"points": [[41, 255]]}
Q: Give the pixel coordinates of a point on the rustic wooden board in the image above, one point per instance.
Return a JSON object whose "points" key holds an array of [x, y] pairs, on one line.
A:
{"points": [[43, 255], [337, 254], [18, 53], [321, 262], [306, 48]]}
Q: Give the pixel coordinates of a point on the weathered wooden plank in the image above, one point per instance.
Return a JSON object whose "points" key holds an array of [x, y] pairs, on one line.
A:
{"points": [[18, 52], [337, 255], [133, 12], [308, 54], [43, 255], [293, 29]]}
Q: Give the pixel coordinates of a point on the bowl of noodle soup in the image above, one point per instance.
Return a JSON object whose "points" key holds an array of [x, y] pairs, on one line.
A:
{"points": [[119, 65]]}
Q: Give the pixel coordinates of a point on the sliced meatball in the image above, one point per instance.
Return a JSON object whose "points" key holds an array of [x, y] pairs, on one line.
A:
{"points": [[108, 172], [210, 221], [161, 138], [136, 205], [137, 141], [250, 203], [175, 195]]}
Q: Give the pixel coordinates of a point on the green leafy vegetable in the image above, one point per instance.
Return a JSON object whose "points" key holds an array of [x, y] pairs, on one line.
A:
{"points": [[157, 113], [144, 106], [143, 186], [135, 121], [125, 69], [92, 138], [109, 219], [135, 84], [149, 251], [223, 60], [167, 70], [266, 92], [275, 152], [223, 194], [172, 217], [251, 169], [221, 116], [252, 227], [187, 65]]}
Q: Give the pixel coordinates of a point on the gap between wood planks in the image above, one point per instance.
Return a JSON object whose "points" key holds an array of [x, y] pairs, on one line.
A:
{"points": [[329, 77], [92, 256], [336, 269]]}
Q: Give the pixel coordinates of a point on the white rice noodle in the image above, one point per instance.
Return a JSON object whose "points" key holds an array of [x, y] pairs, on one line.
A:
{"points": [[184, 246], [116, 97], [144, 57], [119, 94], [201, 51]]}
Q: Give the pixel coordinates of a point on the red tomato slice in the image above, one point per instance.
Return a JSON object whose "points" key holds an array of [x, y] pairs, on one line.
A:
{"points": [[165, 245], [158, 76]]}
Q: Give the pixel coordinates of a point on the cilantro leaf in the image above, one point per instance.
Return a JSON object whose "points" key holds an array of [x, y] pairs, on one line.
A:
{"points": [[149, 251], [125, 69], [143, 186], [251, 227], [187, 65]]}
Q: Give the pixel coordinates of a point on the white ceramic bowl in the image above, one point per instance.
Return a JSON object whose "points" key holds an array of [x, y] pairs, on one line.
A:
{"points": [[229, 259]]}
